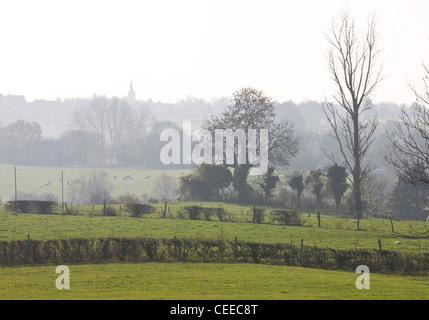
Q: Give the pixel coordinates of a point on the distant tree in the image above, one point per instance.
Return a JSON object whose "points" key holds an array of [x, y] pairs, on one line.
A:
{"points": [[251, 109], [150, 145], [19, 140], [296, 182], [267, 182], [375, 196], [337, 182], [408, 201], [93, 118], [410, 140], [80, 146], [205, 182], [119, 118], [112, 120], [315, 181], [91, 188], [165, 187]]}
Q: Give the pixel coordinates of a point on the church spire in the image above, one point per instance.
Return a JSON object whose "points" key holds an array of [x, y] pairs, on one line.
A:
{"points": [[131, 94]]}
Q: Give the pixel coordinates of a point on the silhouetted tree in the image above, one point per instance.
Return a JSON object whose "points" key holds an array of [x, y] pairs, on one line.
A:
{"points": [[296, 182], [315, 181], [267, 182], [337, 182], [251, 109], [410, 140], [205, 182], [353, 67]]}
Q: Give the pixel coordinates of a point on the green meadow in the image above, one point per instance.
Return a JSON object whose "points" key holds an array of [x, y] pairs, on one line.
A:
{"points": [[200, 281], [336, 233]]}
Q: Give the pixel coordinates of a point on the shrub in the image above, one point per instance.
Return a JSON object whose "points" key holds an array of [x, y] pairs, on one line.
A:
{"points": [[220, 213], [137, 210], [194, 212], [286, 217], [208, 212], [31, 206], [258, 215], [109, 211]]}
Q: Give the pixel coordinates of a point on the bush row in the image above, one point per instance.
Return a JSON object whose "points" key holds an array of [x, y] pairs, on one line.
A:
{"points": [[24, 252], [31, 206]]}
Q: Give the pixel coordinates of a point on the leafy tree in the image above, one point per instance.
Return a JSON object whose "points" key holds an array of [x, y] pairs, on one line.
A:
{"points": [[315, 181], [268, 182], [205, 182], [18, 141], [337, 182], [296, 182], [251, 109], [409, 201]]}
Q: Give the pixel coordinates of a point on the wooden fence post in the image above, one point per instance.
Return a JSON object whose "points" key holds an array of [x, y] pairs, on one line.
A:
{"points": [[391, 224], [165, 210], [235, 248]]}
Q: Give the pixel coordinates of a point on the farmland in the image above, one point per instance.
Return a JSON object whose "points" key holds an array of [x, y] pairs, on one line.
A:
{"points": [[41, 180], [197, 280], [201, 281], [336, 233]]}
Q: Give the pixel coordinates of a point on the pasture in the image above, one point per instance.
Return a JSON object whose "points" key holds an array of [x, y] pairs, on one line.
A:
{"points": [[205, 281], [184, 280], [47, 180], [336, 233]]}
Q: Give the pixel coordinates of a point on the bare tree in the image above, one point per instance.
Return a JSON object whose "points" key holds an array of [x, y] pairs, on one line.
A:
{"points": [[81, 146], [410, 140], [93, 117], [165, 187], [92, 188], [119, 117], [353, 64], [114, 122]]}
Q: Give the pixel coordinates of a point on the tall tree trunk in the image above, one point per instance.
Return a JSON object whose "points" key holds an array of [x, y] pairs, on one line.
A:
{"points": [[241, 172], [357, 168]]}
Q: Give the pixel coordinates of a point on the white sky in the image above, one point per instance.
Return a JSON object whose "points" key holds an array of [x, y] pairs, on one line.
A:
{"points": [[174, 48]]}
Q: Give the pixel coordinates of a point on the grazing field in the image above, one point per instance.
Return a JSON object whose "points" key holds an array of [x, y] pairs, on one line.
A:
{"points": [[46, 180], [199, 281], [181, 280], [336, 233]]}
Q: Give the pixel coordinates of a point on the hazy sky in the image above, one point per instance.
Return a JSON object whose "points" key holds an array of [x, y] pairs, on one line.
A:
{"points": [[174, 48]]}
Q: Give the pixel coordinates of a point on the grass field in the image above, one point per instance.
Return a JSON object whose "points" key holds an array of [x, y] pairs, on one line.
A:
{"points": [[337, 233], [198, 281], [30, 178]]}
